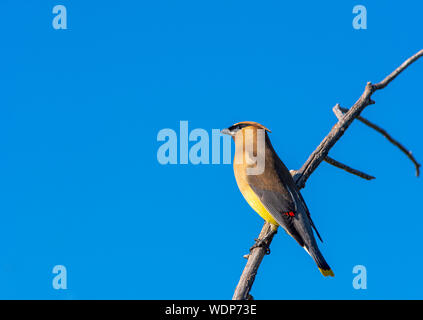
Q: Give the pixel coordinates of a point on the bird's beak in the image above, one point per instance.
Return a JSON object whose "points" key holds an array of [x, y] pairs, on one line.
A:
{"points": [[226, 131]]}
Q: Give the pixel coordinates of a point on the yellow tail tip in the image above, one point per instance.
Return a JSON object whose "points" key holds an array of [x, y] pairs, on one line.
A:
{"points": [[327, 272]]}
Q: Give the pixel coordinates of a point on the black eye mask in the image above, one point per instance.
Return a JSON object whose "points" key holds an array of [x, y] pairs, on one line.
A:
{"points": [[238, 127]]}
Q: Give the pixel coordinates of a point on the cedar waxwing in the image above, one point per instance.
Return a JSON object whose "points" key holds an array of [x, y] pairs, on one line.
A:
{"points": [[271, 190]]}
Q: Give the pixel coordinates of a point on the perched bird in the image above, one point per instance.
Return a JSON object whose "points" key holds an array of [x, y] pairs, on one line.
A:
{"points": [[271, 191]]}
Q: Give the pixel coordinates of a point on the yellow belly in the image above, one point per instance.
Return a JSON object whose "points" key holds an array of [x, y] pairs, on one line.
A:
{"points": [[254, 201]]}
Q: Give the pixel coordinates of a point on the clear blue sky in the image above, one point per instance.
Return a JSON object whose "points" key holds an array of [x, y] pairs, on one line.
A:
{"points": [[80, 110]]}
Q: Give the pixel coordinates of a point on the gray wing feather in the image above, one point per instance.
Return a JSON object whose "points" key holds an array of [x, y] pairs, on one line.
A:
{"points": [[277, 205]]}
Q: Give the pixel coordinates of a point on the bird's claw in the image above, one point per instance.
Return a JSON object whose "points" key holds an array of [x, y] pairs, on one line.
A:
{"points": [[260, 243]]}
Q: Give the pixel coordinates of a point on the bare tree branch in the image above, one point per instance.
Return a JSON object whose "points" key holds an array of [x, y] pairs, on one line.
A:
{"points": [[246, 281], [348, 169], [340, 111], [254, 259], [342, 125]]}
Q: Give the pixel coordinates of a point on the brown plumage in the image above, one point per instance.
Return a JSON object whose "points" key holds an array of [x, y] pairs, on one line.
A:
{"points": [[268, 187]]}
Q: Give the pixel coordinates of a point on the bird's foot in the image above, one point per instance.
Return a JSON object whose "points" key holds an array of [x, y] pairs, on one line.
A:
{"points": [[263, 243]]}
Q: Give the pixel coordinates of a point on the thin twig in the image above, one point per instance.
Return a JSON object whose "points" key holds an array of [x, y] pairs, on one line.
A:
{"points": [[348, 169], [407, 152], [397, 71], [254, 259]]}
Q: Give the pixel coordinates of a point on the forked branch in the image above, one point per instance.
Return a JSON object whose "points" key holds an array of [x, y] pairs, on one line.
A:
{"points": [[339, 112]]}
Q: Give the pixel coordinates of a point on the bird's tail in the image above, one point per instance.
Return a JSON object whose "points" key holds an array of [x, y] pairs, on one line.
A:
{"points": [[320, 261]]}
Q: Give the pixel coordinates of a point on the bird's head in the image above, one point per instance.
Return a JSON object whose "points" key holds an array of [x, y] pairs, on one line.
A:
{"points": [[232, 130]]}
